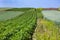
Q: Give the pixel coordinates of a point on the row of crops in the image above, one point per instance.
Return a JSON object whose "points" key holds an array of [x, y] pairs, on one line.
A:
{"points": [[18, 28]]}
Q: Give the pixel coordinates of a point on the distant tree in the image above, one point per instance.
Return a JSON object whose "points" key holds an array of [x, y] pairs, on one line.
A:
{"points": [[40, 9]]}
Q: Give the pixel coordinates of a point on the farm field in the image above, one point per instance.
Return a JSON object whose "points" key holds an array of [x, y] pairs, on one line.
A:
{"points": [[9, 15], [48, 27], [52, 15], [3, 9], [27, 24]]}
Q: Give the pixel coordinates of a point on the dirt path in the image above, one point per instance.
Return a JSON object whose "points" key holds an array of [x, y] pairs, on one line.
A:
{"points": [[40, 30], [46, 30], [37, 29]]}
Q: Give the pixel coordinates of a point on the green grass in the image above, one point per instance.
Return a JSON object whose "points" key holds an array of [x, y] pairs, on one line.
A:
{"points": [[47, 31]]}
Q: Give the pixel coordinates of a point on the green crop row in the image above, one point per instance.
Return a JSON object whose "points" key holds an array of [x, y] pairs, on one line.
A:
{"points": [[18, 28]]}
